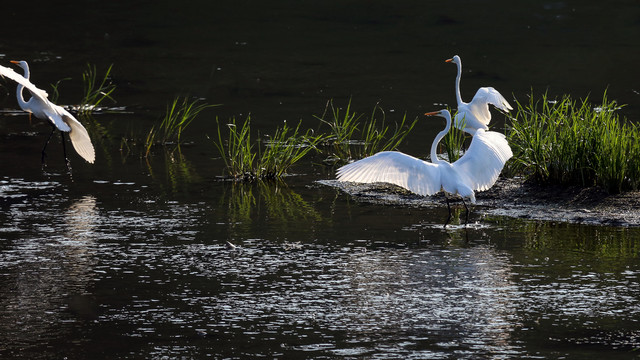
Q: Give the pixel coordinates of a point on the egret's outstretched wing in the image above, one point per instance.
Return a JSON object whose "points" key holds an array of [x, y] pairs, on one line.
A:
{"points": [[484, 96], [35, 91], [55, 113], [394, 167], [80, 138], [484, 160]]}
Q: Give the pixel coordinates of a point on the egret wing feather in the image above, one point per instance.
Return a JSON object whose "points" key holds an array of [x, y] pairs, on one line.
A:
{"points": [[394, 167], [80, 138], [34, 90], [489, 95], [55, 116], [481, 164]]}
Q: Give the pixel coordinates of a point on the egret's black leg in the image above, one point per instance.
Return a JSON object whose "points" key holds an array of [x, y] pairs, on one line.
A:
{"points": [[64, 151], [466, 208], [449, 208], [44, 154]]}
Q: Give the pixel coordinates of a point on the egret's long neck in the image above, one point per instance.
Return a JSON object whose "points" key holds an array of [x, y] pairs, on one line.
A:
{"points": [[458, 95], [21, 101], [441, 134]]}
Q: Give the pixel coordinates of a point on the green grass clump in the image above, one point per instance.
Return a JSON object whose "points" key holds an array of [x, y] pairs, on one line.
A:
{"points": [[350, 137], [179, 115], [246, 159], [285, 148], [95, 92], [453, 143], [573, 142], [237, 150]]}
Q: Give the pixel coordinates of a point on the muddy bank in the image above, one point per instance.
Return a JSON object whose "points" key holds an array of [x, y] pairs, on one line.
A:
{"points": [[516, 198]]}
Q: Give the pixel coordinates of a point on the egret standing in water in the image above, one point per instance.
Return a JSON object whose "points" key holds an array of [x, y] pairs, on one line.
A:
{"points": [[40, 106], [475, 114], [476, 170]]}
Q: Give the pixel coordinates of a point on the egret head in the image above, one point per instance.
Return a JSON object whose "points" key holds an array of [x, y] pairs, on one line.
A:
{"points": [[455, 60], [443, 113], [21, 63]]}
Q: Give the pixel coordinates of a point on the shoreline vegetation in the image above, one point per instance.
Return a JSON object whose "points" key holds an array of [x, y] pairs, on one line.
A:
{"points": [[575, 142], [555, 141], [560, 141]]}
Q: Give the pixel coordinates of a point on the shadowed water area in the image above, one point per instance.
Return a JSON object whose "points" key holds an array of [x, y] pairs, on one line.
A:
{"points": [[162, 258]]}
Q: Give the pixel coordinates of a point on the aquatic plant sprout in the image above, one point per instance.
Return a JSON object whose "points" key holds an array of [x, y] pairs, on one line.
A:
{"points": [[453, 142], [575, 142], [281, 151], [95, 93], [350, 137], [179, 115], [237, 149]]}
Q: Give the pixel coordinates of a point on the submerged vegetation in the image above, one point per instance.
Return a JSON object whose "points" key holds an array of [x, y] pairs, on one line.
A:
{"points": [[567, 141]]}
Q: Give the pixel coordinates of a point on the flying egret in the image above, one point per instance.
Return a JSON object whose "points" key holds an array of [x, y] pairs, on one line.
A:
{"points": [[476, 170], [475, 114], [40, 106]]}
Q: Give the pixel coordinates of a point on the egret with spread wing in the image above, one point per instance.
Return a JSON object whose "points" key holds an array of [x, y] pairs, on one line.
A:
{"points": [[40, 106], [476, 170], [475, 114]]}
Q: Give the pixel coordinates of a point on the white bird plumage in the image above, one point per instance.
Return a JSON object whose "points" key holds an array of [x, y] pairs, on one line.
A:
{"points": [[475, 114], [476, 170], [40, 106]]}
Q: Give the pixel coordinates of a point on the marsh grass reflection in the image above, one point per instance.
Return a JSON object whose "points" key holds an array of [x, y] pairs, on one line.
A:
{"points": [[273, 204], [176, 171], [603, 242]]}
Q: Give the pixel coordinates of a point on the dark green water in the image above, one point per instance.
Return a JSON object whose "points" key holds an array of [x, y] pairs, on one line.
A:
{"points": [[129, 258]]}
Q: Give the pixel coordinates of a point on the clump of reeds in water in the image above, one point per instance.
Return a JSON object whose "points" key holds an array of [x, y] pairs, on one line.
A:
{"points": [[96, 89], [179, 115], [574, 142], [453, 143], [247, 160], [351, 137]]}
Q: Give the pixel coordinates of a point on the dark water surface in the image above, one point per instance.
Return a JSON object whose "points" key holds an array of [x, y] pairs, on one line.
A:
{"points": [[129, 258]]}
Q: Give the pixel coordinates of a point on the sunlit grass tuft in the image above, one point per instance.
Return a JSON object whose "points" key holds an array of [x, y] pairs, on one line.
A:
{"points": [[55, 93], [286, 147], [574, 142], [246, 159], [95, 92], [453, 143], [350, 137], [236, 149], [179, 115]]}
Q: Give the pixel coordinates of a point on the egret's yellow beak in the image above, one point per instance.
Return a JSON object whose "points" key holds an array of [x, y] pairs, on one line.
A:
{"points": [[449, 60], [432, 113]]}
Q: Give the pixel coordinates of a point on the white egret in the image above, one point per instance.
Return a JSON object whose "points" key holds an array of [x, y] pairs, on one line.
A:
{"points": [[475, 114], [40, 106], [476, 170]]}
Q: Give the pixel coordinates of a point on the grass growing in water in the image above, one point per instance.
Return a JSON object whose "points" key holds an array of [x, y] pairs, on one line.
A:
{"points": [[572, 142], [453, 143], [351, 138], [242, 161], [179, 115], [95, 93]]}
